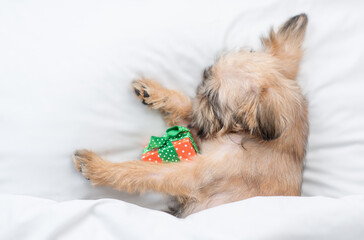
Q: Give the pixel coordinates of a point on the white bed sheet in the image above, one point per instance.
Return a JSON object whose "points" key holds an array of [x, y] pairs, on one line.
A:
{"points": [[271, 218]]}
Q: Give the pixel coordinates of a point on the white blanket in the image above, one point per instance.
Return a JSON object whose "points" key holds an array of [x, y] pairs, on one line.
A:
{"points": [[257, 218]]}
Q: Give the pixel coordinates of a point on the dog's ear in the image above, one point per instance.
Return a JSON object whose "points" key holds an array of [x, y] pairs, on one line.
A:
{"points": [[270, 120], [262, 115], [286, 43]]}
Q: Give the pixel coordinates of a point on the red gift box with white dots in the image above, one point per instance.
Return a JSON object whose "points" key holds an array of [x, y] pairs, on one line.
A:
{"points": [[183, 147]]}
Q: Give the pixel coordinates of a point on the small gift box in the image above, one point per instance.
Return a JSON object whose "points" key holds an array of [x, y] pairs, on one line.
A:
{"points": [[176, 145]]}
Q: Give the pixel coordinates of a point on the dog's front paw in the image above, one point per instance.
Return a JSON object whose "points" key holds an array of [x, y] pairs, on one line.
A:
{"points": [[149, 92], [88, 163]]}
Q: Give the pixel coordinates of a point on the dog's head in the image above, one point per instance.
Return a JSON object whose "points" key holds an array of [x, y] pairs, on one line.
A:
{"points": [[253, 92]]}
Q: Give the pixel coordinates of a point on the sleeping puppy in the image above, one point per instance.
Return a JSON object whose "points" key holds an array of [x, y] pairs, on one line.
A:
{"points": [[250, 119]]}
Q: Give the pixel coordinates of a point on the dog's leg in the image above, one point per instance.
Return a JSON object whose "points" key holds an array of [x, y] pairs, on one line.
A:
{"points": [[175, 106], [176, 179]]}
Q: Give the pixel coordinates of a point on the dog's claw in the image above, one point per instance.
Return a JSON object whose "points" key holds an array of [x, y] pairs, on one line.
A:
{"points": [[77, 153]]}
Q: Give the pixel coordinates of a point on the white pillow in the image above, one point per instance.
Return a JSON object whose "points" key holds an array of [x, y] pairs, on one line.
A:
{"points": [[65, 70]]}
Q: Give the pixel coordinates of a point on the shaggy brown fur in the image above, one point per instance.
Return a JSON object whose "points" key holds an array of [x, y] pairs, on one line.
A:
{"points": [[251, 120]]}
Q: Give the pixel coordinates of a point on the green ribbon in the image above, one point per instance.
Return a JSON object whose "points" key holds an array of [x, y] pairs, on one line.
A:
{"points": [[166, 150]]}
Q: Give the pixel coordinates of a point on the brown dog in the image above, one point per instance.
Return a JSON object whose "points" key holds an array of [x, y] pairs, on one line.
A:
{"points": [[252, 125]]}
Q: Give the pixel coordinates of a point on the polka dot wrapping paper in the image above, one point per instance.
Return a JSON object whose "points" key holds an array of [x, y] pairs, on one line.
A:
{"points": [[175, 146]]}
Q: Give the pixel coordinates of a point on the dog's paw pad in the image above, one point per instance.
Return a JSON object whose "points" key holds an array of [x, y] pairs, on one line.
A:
{"points": [[146, 94], [142, 91], [137, 92], [145, 103]]}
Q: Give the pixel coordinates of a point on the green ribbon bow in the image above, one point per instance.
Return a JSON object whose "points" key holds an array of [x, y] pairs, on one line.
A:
{"points": [[166, 150]]}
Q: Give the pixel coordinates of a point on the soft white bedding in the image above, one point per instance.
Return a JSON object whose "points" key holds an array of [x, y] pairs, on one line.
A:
{"points": [[65, 70], [257, 218]]}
